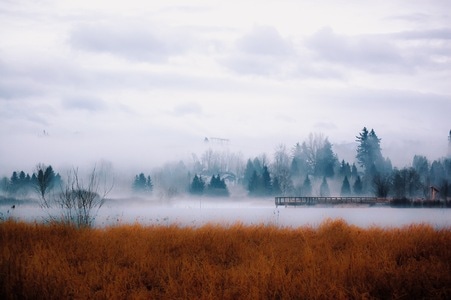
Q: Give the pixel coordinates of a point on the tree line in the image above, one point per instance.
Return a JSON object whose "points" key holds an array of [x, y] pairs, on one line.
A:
{"points": [[308, 168], [22, 184]]}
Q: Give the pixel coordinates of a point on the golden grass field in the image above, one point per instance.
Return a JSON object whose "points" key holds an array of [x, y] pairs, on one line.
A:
{"points": [[332, 261]]}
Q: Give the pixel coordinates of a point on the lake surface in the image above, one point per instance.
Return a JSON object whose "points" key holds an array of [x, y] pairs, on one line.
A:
{"points": [[197, 212]]}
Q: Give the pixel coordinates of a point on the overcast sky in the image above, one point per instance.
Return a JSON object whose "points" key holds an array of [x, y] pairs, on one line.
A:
{"points": [[141, 82]]}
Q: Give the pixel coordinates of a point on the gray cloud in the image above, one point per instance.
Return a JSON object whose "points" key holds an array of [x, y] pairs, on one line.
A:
{"points": [[263, 51], [188, 109], [83, 103], [411, 17], [264, 40], [369, 53], [431, 34], [133, 42]]}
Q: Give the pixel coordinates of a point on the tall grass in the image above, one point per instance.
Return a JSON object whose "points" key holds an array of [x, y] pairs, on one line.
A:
{"points": [[332, 261]]}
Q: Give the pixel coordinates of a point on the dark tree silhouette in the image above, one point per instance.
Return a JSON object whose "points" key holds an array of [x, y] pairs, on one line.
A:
{"points": [[197, 185], [358, 186], [369, 150], [306, 187], [345, 169], [217, 187], [324, 190], [260, 185], [325, 160], [142, 183], [254, 185], [345, 187], [381, 184], [266, 181], [248, 173], [45, 177]]}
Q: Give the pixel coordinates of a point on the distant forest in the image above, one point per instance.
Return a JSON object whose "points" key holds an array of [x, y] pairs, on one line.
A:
{"points": [[310, 168]]}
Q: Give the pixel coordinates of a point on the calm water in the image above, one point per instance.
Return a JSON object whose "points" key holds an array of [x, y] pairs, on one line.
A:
{"points": [[196, 212]]}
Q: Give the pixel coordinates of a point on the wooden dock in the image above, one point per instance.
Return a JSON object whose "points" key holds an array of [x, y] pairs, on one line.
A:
{"points": [[295, 201]]}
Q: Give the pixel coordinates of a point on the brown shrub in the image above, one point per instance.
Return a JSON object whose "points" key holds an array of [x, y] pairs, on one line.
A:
{"points": [[335, 260]]}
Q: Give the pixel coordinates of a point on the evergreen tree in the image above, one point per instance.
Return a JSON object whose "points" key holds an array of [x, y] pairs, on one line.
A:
{"points": [[142, 183], [266, 181], [324, 190], [345, 169], [294, 168], [370, 158], [248, 172], [306, 187], [14, 183], [139, 184], [369, 150], [358, 186], [421, 165], [217, 187], [398, 185], [197, 186], [258, 165], [354, 172], [325, 160], [345, 187], [437, 173], [260, 185], [254, 186]]}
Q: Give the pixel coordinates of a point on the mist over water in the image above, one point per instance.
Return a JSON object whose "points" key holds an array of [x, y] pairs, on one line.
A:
{"points": [[201, 211]]}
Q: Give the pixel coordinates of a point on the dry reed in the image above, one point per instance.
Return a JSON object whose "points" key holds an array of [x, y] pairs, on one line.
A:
{"points": [[334, 260]]}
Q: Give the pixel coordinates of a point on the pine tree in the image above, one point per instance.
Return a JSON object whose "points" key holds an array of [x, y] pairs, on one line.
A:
{"points": [[325, 160], [248, 172], [369, 150], [14, 183], [358, 187], [142, 183], [306, 187], [345, 187], [217, 187], [324, 190], [254, 184], [345, 169], [354, 172], [266, 181], [197, 186]]}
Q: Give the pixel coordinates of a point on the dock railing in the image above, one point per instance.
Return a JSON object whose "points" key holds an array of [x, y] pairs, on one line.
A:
{"points": [[295, 201]]}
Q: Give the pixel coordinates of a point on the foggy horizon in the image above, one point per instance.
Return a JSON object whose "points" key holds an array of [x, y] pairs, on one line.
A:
{"points": [[142, 84]]}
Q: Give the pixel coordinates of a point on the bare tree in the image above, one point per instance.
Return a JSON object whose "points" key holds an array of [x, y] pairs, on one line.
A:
{"points": [[281, 169], [78, 202]]}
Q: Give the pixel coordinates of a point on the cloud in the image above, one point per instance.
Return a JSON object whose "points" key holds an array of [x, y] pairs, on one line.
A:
{"points": [[431, 34], [401, 52], [263, 51], [264, 40], [363, 52], [133, 42], [82, 103], [188, 109], [410, 17]]}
